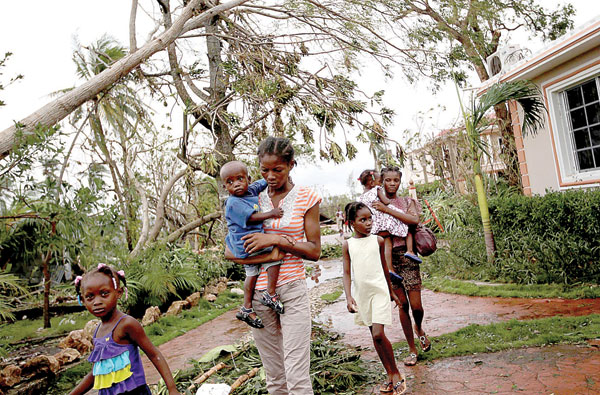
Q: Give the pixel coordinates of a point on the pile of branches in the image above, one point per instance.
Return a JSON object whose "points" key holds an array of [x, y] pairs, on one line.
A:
{"points": [[335, 368]]}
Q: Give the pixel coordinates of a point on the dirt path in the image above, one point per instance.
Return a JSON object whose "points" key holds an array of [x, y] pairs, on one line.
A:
{"points": [[561, 369], [445, 313], [223, 330]]}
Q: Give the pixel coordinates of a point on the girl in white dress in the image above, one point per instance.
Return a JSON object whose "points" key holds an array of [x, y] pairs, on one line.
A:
{"points": [[364, 263]]}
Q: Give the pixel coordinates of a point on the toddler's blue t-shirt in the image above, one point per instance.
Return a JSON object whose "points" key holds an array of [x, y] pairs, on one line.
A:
{"points": [[237, 212]]}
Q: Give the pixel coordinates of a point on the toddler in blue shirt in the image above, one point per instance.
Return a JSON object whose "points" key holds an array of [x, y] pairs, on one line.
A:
{"points": [[243, 217]]}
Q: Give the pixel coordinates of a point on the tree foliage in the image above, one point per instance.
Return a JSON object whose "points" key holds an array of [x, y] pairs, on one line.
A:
{"points": [[458, 35], [11, 80]]}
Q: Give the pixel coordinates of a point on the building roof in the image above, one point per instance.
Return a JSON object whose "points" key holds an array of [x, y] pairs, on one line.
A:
{"points": [[561, 50]]}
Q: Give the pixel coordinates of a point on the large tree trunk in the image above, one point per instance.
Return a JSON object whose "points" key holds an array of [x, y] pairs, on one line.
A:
{"points": [[508, 149], [58, 109]]}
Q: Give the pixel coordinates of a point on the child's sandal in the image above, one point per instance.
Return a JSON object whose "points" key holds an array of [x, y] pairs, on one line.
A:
{"points": [[411, 360], [425, 343], [400, 387], [244, 315], [386, 388], [272, 301], [413, 258]]}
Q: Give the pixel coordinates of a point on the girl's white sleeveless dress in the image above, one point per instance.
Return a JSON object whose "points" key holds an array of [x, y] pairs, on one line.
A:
{"points": [[370, 287]]}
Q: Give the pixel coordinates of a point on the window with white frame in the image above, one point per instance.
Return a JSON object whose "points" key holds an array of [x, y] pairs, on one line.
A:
{"points": [[574, 119], [583, 107]]}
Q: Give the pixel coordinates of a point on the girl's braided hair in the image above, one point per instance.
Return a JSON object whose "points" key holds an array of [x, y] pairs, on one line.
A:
{"points": [[117, 277], [366, 176], [351, 209], [278, 146], [393, 169]]}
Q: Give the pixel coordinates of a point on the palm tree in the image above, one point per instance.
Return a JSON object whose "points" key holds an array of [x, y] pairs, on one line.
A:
{"points": [[528, 96], [10, 286], [118, 110]]}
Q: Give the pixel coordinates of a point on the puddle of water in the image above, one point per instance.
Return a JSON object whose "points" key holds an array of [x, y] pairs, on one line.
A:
{"points": [[323, 271]]}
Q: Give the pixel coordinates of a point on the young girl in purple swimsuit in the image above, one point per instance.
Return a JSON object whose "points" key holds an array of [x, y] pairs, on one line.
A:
{"points": [[117, 365]]}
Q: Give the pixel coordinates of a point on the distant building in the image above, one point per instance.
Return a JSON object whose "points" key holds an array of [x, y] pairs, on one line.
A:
{"points": [[565, 153], [446, 157]]}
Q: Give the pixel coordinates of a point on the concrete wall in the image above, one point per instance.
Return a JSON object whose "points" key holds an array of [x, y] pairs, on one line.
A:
{"points": [[540, 158]]}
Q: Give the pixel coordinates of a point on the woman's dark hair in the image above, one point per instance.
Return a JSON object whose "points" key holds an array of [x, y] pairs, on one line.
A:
{"points": [[388, 169], [106, 270], [278, 146], [351, 209], [366, 176]]}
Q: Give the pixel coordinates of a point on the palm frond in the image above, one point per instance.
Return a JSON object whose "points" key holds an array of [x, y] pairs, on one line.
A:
{"points": [[10, 285], [526, 93]]}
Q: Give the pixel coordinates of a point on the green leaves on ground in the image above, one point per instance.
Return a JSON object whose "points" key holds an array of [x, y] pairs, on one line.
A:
{"points": [[331, 251], [332, 297], [335, 368]]}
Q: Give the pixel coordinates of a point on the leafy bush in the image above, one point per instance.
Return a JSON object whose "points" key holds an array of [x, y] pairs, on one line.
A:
{"points": [[166, 272], [453, 211], [425, 190], [551, 238], [542, 239]]}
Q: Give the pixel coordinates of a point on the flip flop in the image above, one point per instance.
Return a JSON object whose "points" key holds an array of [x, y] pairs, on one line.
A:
{"points": [[395, 278], [413, 257], [386, 388], [425, 343], [400, 386], [411, 360]]}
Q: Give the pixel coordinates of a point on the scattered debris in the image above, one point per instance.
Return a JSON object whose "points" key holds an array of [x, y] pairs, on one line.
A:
{"points": [[67, 355], [42, 364], [78, 340], [194, 299], [243, 378], [10, 376]]}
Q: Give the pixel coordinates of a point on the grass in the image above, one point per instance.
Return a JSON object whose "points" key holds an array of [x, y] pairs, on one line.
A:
{"points": [[25, 329], [69, 379], [168, 328], [331, 297], [511, 334], [461, 287]]}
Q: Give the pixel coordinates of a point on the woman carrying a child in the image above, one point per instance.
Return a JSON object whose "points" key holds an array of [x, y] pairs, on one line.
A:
{"points": [[409, 291], [284, 342]]}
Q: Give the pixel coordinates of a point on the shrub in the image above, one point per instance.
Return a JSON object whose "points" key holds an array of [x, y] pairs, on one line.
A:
{"points": [[542, 239], [551, 238], [166, 272]]}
